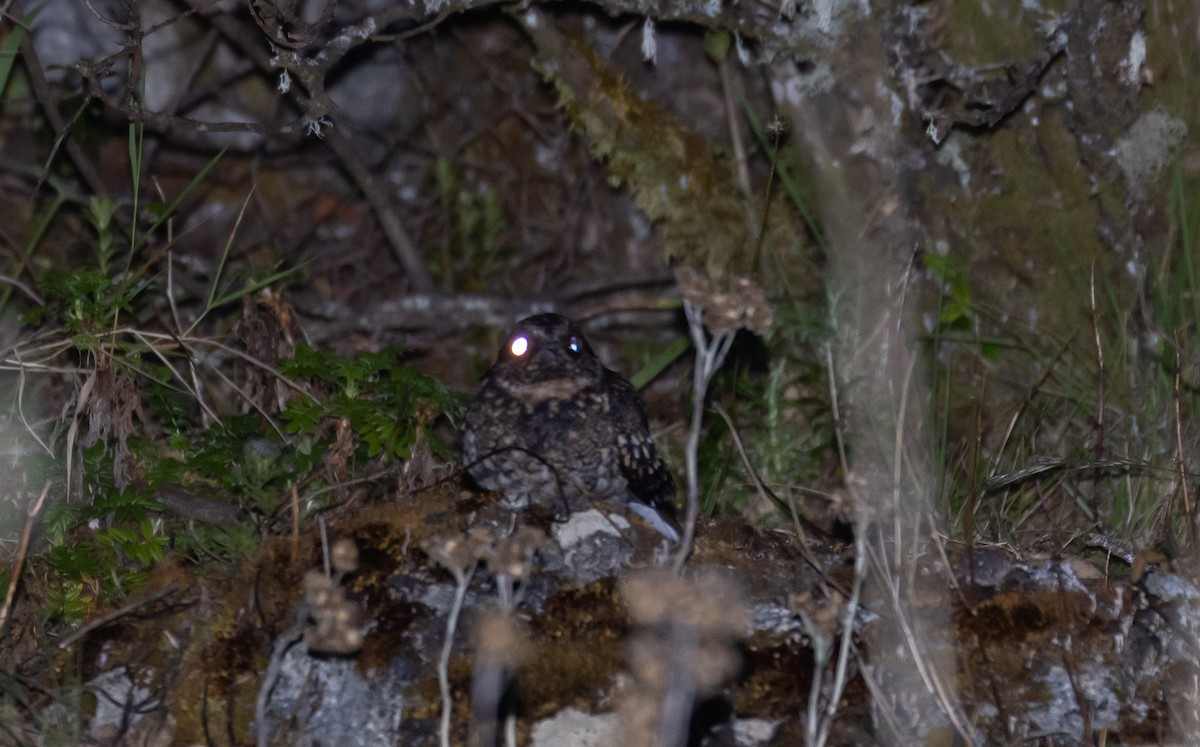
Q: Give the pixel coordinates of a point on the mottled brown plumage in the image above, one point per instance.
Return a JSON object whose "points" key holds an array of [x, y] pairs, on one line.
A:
{"points": [[552, 426]]}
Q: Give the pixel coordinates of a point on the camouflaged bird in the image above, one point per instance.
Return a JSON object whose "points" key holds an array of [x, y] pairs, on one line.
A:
{"points": [[552, 426]]}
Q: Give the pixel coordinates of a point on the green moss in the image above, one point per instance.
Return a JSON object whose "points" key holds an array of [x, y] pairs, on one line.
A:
{"points": [[676, 177]]}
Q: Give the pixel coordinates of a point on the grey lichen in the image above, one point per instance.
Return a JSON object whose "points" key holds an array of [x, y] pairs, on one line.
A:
{"points": [[1146, 148]]}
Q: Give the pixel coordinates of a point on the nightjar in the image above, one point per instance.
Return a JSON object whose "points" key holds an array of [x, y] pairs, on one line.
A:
{"points": [[552, 426]]}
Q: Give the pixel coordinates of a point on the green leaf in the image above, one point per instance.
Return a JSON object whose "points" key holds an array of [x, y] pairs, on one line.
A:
{"points": [[76, 561], [65, 601], [59, 519], [659, 362], [303, 415]]}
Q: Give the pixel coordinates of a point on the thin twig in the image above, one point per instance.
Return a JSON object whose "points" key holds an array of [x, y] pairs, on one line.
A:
{"points": [[822, 729], [767, 494], [317, 103], [191, 388], [839, 679], [1027, 402], [30, 292], [1188, 515], [462, 579], [838, 436], [121, 611], [296, 534], [710, 354], [1098, 447], [733, 122], [49, 104], [15, 578], [820, 647], [402, 245]]}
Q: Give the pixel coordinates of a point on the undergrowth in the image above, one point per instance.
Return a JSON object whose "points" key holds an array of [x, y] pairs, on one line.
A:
{"points": [[771, 455], [186, 426], [1098, 434]]}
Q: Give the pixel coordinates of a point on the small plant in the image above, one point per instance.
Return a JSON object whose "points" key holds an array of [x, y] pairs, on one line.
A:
{"points": [[156, 408], [775, 388], [100, 548], [363, 413], [387, 406]]}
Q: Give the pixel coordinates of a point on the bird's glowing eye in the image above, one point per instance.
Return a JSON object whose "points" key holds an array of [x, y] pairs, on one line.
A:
{"points": [[519, 346], [574, 346]]}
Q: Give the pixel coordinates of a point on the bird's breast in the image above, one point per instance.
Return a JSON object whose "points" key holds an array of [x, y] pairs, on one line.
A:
{"points": [[545, 389]]}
